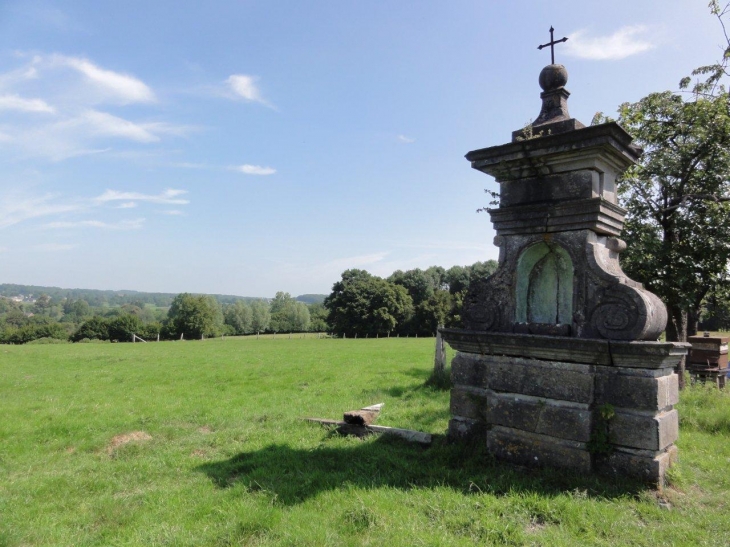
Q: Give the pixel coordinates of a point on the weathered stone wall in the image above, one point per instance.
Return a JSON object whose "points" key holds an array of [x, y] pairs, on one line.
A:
{"points": [[544, 412]]}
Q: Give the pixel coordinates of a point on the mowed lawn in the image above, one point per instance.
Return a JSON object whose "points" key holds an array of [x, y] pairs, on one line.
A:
{"points": [[203, 443]]}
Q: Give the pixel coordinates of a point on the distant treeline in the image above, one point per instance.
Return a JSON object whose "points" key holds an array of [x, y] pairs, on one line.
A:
{"points": [[413, 302], [100, 298]]}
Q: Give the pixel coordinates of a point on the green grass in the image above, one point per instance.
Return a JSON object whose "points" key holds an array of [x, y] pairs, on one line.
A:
{"points": [[231, 462]]}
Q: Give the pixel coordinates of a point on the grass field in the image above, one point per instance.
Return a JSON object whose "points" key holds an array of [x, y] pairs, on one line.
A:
{"points": [[202, 443]]}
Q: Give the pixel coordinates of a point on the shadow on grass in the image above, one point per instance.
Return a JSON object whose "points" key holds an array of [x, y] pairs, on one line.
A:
{"points": [[293, 475]]}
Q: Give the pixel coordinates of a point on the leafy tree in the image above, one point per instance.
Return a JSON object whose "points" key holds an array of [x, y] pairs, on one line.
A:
{"points": [[16, 318], [260, 316], [42, 304], [318, 318], [194, 316], [122, 328], [75, 311], [361, 303], [239, 317], [96, 328], [287, 314], [678, 222], [436, 310]]}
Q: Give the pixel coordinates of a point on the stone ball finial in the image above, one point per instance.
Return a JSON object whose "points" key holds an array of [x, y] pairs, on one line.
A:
{"points": [[553, 77]]}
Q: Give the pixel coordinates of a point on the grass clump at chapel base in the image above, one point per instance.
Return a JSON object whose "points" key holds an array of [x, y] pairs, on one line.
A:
{"points": [[202, 443]]}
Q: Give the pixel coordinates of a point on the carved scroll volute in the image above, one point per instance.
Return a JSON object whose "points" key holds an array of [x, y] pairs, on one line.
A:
{"points": [[622, 312], [481, 310]]}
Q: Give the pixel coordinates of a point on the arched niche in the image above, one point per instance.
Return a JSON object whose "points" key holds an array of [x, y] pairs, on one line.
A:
{"points": [[544, 285]]}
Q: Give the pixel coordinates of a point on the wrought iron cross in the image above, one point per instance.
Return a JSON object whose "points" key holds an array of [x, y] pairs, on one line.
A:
{"points": [[552, 43]]}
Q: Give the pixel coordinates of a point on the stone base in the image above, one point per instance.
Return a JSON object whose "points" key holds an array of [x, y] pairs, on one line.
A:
{"points": [[570, 414]]}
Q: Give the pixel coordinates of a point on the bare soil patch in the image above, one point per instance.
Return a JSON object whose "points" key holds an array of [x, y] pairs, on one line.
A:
{"points": [[126, 438]]}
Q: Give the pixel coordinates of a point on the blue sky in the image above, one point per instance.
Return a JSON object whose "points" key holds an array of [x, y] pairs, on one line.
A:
{"points": [[255, 146]]}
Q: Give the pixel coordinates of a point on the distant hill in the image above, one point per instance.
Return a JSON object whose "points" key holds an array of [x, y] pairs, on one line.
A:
{"points": [[100, 297], [311, 298]]}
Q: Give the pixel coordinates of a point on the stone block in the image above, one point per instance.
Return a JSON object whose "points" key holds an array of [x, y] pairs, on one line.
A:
{"points": [[469, 403], [541, 416], [578, 184], [554, 380], [468, 370], [537, 450], [644, 431], [465, 430], [648, 468], [637, 392]]}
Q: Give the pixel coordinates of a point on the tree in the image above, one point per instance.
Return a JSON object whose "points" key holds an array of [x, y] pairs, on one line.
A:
{"points": [[194, 316], [678, 195], [318, 318], [362, 304], [95, 328], [122, 327], [287, 314], [260, 316], [238, 316]]}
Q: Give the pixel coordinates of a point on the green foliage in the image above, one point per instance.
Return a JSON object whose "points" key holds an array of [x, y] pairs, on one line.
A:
{"points": [[238, 316], [33, 331], [96, 328], [678, 196], [123, 327], [600, 442], [195, 316], [260, 315], [287, 314], [318, 318], [362, 304]]}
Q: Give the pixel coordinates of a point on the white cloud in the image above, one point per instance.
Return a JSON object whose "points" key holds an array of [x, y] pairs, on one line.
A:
{"points": [[55, 247], [15, 208], [168, 196], [102, 123], [13, 102], [127, 205], [404, 139], [623, 43], [134, 224], [123, 87], [173, 212], [254, 169], [244, 86]]}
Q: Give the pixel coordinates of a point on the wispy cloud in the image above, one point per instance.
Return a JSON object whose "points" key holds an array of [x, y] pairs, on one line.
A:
{"points": [[132, 224], [13, 102], [626, 41], [102, 123], [173, 212], [122, 87], [244, 86], [74, 89], [168, 196], [55, 247], [406, 140], [15, 208], [127, 205], [341, 264], [248, 169]]}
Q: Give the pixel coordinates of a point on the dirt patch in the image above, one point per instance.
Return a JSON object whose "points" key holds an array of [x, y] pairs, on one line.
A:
{"points": [[198, 453], [121, 440], [205, 430]]}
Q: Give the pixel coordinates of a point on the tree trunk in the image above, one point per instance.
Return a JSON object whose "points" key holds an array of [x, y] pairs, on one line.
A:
{"points": [[677, 332], [693, 321]]}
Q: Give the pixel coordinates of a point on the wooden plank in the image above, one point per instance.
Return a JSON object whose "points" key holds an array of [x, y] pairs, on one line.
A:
{"points": [[360, 430]]}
